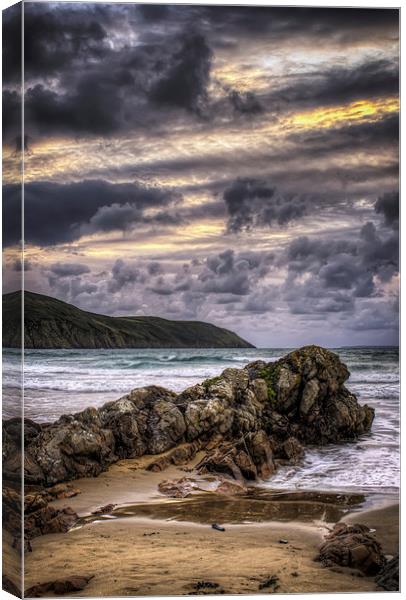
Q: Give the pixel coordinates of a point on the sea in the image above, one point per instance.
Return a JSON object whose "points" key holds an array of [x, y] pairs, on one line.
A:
{"points": [[64, 381]]}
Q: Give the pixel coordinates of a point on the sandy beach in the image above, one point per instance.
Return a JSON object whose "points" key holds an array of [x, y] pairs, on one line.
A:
{"points": [[149, 544]]}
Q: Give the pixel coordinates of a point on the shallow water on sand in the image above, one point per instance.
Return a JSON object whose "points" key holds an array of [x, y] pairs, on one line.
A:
{"points": [[257, 506], [63, 381]]}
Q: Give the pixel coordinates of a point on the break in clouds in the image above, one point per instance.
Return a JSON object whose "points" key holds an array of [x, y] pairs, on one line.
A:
{"points": [[235, 165]]}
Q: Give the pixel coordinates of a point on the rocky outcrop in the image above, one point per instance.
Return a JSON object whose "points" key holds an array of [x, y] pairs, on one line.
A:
{"points": [[40, 517], [245, 420], [352, 546]]}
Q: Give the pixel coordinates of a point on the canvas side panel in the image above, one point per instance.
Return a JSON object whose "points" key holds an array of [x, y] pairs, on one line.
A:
{"points": [[12, 301]]}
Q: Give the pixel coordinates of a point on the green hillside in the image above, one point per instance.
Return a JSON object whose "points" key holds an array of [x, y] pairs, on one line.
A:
{"points": [[51, 323]]}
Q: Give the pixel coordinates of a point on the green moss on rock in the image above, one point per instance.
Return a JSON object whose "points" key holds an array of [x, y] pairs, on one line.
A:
{"points": [[207, 383]]}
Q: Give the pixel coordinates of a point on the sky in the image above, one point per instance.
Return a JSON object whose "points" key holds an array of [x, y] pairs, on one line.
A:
{"points": [[236, 165]]}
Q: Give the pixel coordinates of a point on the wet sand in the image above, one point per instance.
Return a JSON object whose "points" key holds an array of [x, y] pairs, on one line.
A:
{"points": [[153, 545]]}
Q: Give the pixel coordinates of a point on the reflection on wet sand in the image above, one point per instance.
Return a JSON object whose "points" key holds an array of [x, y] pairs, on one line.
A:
{"points": [[255, 506]]}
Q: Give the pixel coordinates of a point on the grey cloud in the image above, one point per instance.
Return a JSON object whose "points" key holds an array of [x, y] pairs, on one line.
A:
{"points": [[154, 268], [254, 203], [18, 264], [231, 273], [124, 274], [327, 276], [68, 269], [78, 286]]}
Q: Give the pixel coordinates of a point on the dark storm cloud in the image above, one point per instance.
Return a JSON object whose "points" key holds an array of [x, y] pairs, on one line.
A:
{"points": [[94, 107], [154, 13], [339, 25], [11, 30], [53, 38], [60, 213], [388, 206], [245, 103], [12, 119], [120, 90], [183, 82], [254, 203], [103, 87], [338, 85]]}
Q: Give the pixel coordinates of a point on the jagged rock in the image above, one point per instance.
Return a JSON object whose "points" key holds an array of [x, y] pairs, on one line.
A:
{"points": [[39, 517], [49, 520], [178, 456], [179, 488], [61, 491], [231, 488], [260, 450], [263, 411], [249, 457], [75, 583], [307, 388], [388, 577], [352, 546], [289, 449], [12, 510]]}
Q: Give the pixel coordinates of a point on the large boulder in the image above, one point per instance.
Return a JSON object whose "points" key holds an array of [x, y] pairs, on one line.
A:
{"points": [[308, 400], [352, 546]]}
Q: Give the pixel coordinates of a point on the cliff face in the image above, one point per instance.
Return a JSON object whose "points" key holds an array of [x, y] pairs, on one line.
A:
{"points": [[50, 323], [244, 421]]}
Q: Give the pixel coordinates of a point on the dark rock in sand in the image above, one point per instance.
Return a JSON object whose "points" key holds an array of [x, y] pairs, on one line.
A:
{"points": [[352, 546], [107, 508], [75, 583], [245, 418], [388, 577], [271, 582]]}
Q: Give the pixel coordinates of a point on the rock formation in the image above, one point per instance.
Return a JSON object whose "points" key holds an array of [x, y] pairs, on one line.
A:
{"points": [[353, 546], [246, 420]]}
